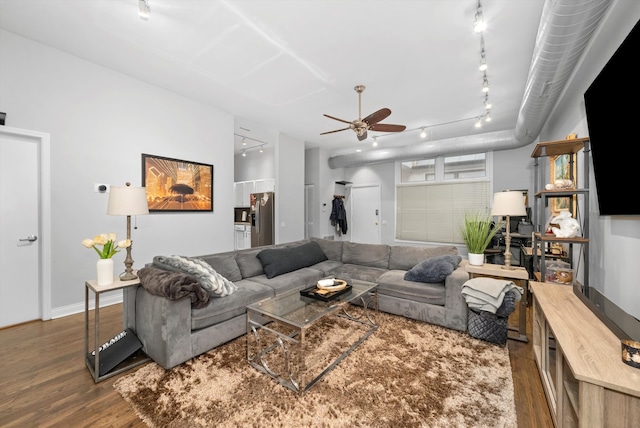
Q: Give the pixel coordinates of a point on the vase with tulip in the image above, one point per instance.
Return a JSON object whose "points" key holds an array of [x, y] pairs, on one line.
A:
{"points": [[105, 245]]}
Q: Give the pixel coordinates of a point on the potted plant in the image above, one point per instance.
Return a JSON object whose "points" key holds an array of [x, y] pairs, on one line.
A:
{"points": [[477, 232]]}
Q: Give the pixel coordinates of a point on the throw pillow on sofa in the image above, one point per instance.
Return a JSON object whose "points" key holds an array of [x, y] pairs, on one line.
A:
{"points": [[434, 269], [215, 284], [276, 261]]}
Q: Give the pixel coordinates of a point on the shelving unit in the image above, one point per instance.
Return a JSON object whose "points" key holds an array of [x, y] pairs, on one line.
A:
{"points": [[542, 196], [583, 376]]}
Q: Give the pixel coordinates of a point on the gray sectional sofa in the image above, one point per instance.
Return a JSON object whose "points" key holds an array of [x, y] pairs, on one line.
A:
{"points": [[174, 331]]}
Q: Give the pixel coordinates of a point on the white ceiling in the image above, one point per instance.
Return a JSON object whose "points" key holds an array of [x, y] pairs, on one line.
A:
{"points": [[278, 66]]}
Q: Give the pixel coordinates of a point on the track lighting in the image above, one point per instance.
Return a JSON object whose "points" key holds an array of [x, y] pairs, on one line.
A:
{"points": [[487, 117], [144, 10], [261, 150], [483, 62], [487, 104], [375, 141], [479, 24], [479, 123], [244, 141], [423, 133], [485, 85], [244, 152]]}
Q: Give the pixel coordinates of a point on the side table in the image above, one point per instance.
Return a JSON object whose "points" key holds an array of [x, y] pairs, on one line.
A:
{"points": [[121, 347], [520, 277]]}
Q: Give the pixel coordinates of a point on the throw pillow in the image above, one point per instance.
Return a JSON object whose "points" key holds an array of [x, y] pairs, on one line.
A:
{"points": [[435, 269], [276, 261]]}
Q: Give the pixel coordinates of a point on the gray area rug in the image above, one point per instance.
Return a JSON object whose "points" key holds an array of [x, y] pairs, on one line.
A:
{"points": [[407, 374]]}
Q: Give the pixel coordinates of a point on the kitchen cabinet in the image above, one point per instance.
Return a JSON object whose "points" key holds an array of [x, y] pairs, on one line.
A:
{"points": [[242, 190], [242, 235]]}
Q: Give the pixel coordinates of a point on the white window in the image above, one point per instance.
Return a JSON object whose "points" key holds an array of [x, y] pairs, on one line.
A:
{"points": [[432, 209]]}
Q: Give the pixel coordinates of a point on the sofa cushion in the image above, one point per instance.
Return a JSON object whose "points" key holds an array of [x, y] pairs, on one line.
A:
{"points": [[249, 263], [225, 308], [332, 249], [225, 265], [372, 255], [405, 257], [392, 283], [348, 271], [435, 269], [276, 261], [300, 278]]}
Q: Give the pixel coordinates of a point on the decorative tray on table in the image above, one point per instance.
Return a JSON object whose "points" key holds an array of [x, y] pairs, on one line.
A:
{"points": [[326, 290]]}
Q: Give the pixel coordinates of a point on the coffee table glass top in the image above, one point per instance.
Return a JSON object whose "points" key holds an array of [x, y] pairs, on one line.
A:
{"points": [[299, 310]]}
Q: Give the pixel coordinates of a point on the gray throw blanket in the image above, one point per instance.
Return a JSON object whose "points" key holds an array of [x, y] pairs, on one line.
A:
{"points": [[215, 284], [173, 285]]}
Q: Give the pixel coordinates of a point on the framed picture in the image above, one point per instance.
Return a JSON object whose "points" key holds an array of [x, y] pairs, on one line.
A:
{"points": [[175, 185], [560, 169]]}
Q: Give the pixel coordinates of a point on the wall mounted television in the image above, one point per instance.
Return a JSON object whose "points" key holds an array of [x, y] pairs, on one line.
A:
{"points": [[611, 117], [610, 120]]}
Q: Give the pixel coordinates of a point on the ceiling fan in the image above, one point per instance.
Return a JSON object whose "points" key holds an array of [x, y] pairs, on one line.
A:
{"points": [[369, 123]]}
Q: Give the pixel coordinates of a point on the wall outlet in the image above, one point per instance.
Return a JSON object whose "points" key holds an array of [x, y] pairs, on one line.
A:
{"points": [[101, 188]]}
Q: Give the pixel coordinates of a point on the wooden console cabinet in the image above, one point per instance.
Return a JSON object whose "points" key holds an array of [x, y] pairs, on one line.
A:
{"points": [[580, 364]]}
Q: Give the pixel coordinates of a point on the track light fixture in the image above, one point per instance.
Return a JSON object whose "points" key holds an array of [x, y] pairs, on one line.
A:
{"points": [[479, 123], [261, 149], [485, 84], [244, 152], [479, 24], [244, 141], [144, 10], [423, 133], [375, 142]]}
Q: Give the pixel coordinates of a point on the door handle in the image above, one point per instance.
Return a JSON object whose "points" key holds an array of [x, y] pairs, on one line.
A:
{"points": [[30, 238]]}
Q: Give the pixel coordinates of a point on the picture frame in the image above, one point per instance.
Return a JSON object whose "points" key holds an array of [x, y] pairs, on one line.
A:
{"points": [[176, 185], [559, 169]]}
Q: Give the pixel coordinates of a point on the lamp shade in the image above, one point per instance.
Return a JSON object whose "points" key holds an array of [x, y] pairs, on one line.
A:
{"points": [[127, 201], [508, 203]]}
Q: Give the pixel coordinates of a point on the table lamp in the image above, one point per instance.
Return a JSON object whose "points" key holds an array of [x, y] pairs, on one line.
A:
{"points": [[507, 204], [128, 201]]}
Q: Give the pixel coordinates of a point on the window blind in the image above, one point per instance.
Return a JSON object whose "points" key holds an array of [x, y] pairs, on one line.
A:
{"points": [[434, 212]]}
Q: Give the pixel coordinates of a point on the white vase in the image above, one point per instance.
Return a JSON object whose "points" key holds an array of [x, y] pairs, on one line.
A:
{"points": [[105, 271], [476, 259]]}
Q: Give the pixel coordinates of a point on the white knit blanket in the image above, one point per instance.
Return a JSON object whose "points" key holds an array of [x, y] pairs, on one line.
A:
{"points": [[215, 284], [487, 294]]}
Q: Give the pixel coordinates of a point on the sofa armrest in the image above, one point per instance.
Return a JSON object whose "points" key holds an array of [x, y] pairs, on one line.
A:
{"points": [[456, 305], [164, 327]]}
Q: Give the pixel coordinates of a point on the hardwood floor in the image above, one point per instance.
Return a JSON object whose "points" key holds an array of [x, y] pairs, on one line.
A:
{"points": [[44, 381]]}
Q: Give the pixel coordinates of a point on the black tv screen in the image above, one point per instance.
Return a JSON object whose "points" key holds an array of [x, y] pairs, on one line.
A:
{"points": [[612, 113]]}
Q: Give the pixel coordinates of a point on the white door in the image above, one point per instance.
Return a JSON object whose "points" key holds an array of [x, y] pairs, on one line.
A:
{"points": [[308, 210], [24, 160], [364, 224]]}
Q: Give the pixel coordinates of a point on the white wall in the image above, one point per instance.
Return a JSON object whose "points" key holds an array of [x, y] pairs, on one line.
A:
{"points": [[255, 165], [289, 189], [614, 240], [100, 122]]}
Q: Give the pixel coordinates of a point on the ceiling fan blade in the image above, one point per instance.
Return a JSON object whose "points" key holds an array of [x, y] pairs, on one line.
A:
{"points": [[376, 117], [362, 136], [337, 130], [338, 119], [387, 127]]}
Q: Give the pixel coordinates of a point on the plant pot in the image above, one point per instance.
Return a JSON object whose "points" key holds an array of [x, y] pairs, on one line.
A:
{"points": [[476, 259], [105, 271]]}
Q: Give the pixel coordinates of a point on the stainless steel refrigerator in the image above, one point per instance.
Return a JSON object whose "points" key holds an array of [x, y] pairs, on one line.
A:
{"points": [[262, 219]]}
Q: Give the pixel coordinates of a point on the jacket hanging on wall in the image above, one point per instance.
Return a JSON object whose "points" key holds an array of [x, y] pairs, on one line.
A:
{"points": [[338, 215]]}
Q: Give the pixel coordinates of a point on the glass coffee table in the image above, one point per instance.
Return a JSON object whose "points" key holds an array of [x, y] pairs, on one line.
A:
{"points": [[297, 340]]}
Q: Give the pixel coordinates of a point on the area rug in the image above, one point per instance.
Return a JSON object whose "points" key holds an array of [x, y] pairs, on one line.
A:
{"points": [[406, 374]]}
